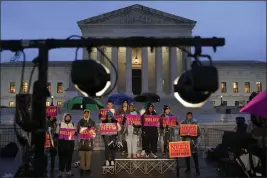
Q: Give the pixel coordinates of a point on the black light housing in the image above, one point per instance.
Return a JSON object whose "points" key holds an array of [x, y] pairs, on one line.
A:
{"points": [[90, 77], [194, 87]]}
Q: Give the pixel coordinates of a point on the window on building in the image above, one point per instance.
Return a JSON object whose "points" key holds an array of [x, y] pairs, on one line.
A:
{"points": [[224, 103], [24, 87], [223, 87], [49, 86], [59, 87], [236, 103], [59, 103], [47, 103], [247, 87], [235, 87], [213, 102], [12, 87], [11, 104], [259, 86]]}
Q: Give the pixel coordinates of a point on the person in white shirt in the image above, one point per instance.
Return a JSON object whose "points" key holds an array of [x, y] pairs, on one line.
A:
{"points": [[131, 133]]}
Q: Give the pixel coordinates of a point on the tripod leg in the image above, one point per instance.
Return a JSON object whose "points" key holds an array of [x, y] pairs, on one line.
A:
{"points": [[177, 168]]}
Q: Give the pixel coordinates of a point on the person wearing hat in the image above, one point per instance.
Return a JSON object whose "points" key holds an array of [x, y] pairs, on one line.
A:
{"points": [[166, 133], [150, 134], [123, 110], [131, 133], [109, 140], [85, 145], [194, 143]]}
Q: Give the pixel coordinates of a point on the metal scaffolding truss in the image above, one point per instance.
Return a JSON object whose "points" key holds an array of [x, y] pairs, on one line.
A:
{"points": [[145, 165]]}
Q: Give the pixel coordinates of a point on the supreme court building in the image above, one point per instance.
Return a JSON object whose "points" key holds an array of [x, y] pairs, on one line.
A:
{"points": [[140, 69]]}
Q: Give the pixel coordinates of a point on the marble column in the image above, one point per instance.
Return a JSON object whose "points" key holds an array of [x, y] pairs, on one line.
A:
{"points": [[114, 59], [172, 67], [159, 72], [99, 55], [145, 81], [129, 71]]}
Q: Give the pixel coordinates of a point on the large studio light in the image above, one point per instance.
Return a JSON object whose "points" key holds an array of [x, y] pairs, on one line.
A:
{"points": [[90, 77], [194, 87]]}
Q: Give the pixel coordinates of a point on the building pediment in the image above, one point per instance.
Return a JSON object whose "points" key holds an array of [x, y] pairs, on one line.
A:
{"points": [[137, 14]]}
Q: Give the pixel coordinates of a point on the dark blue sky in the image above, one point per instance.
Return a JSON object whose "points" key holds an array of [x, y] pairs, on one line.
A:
{"points": [[243, 24]]}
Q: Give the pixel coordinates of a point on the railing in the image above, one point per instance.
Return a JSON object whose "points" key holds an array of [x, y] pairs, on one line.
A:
{"points": [[210, 136]]}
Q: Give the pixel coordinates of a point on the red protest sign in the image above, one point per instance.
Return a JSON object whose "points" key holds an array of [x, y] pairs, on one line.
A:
{"points": [[179, 149], [133, 119], [47, 141], [108, 129], [151, 120], [103, 113], [188, 130], [51, 111], [86, 133], [66, 133], [170, 121]]}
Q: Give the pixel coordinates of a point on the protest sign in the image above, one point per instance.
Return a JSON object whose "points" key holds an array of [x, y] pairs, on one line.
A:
{"points": [[86, 133], [108, 129], [179, 149], [66, 133], [119, 118], [47, 141], [169, 121], [188, 130], [133, 119], [51, 111], [104, 112], [151, 120]]}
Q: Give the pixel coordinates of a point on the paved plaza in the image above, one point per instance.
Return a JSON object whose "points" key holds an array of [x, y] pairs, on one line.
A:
{"points": [[207, 170]]}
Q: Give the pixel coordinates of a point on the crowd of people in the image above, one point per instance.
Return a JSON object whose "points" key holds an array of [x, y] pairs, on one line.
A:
{"points": [[127, 135]]}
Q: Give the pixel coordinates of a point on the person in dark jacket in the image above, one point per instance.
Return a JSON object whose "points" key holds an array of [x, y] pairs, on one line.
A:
{"points": [[86, 146], [241, 126], [194, 143], [123, 110], [150, 134], [65, 147], [109, 140], [52, 151], [166, 133]]}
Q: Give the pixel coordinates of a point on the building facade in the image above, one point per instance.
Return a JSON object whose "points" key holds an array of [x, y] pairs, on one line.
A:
{"points": [[140, 70]]}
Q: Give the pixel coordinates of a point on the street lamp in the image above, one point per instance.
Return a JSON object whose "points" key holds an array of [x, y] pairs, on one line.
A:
{"points": [[221, 100], [52, 99]]}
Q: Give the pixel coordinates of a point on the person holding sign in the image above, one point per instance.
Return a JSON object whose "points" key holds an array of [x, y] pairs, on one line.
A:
{"points": [[86, 124], [150, 133], [109, 140], [52, 151], [123, 110], [167, 124], [109, 107], [190, 131], [66, 131], [131, 132]]}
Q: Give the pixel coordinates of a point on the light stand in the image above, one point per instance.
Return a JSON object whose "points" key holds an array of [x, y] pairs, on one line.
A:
{"points": [[40, 91], [221, 100]]}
